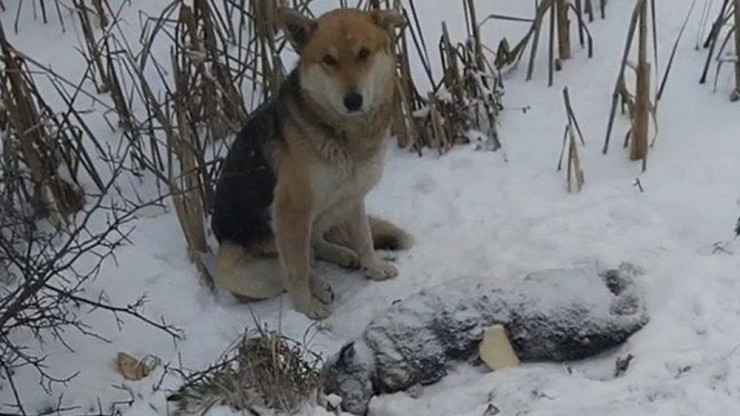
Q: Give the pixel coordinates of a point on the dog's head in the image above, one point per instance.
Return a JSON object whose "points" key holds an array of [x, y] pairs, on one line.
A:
{"points": [[346, 57]]}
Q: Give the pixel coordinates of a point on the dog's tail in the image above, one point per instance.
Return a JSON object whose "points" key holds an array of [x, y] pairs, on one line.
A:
{"points": [[387, 236]]}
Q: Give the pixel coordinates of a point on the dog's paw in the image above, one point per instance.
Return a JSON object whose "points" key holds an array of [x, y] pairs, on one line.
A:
{"points": [[313, 308], [322, 291], [381, 270], [347, 259]]}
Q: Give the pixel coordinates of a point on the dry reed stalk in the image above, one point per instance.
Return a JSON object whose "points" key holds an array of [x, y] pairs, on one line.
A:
{"points": [[39, 148], [468, 96], [404, 125], [641, 106], [222, 104], [641, 118], [474, 33], [187, 190], [717, 44], [736, 15], [406, 102], [506, 56], [92, 46], [589, 10], [664, 80], [564, 51], [100, 10], [551, 60], [452, 79], [575, 173], [535, 33], [722, 18], [121, 103], [620, 89], [265, 25], [441, 138]]}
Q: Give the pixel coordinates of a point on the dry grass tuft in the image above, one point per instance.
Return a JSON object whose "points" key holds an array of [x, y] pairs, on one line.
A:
{"points": [[263, 369]]}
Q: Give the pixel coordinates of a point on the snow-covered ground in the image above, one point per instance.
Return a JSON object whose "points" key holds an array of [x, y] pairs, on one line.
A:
{"points": [[472, 213]]}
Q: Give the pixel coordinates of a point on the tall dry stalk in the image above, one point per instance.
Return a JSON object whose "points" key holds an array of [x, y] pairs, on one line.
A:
{"points": [[641, 118], [92, 45], [736, 14], [640, 105], [265, 26], [564, 51]]}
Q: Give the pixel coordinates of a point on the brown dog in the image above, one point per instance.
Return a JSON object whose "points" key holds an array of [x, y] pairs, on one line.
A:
{"points": [[294, 182]]}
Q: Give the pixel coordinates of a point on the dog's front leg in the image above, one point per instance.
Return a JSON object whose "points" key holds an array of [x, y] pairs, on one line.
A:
{"points": [[373, 267], [292, 221]]}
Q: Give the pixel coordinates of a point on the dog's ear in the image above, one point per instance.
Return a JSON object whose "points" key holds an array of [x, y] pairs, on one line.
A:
{"points": [[298, 27], [388, 19]]}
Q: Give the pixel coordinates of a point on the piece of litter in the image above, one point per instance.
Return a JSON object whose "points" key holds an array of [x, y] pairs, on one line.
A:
{"points": [[495, 349], [132, 369]]}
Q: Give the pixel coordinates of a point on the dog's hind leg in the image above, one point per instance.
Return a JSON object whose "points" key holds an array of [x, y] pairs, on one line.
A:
{"points": [[247, 276], [334, 253]]}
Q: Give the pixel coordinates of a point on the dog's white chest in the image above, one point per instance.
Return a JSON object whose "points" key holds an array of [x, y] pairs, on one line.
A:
{"points": [[334, 184]]}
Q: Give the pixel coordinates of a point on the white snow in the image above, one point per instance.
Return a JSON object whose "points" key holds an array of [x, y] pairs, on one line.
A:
{"points": [[474, 214]]}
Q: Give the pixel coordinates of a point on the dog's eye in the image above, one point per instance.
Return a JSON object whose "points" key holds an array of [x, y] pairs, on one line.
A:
{"points": [[363, 55], [330, 60]]}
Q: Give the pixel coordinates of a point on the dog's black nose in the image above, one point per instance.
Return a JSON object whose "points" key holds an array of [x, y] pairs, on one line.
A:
{"points": [[353, 101]]}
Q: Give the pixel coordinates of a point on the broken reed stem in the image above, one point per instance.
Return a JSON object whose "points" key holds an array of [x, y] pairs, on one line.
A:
{"points": [[641, 123], [575, 170], [564, 51]]}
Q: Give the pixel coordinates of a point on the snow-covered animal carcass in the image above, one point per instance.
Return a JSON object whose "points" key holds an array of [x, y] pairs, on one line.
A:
{"points": [[552, 315]]}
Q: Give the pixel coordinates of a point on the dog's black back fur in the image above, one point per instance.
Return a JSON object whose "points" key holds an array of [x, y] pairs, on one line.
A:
{"points": [[246, 184], [245, 189]]}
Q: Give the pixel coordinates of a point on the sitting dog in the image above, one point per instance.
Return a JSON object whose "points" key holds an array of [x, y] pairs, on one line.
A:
{"points": [[294, 182]]}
